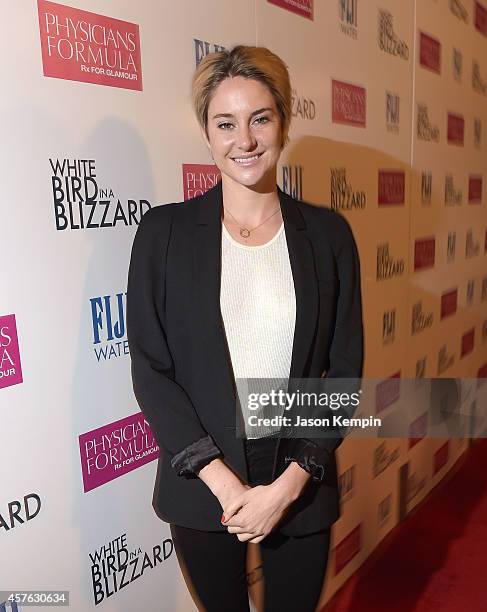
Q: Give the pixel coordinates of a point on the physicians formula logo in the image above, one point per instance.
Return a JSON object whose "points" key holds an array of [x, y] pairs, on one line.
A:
{"points": [[417, 429], [348, 103], [387, 392], [481, 18], [440, 458], [391, 187], [300, 7], [109, 326], [115, 449], [455, 129], [81, 46], [467, 342], [10, 368], [474, 189], [198, 178], [347, 549], [448, 303], [424, 253], [429, 52]]}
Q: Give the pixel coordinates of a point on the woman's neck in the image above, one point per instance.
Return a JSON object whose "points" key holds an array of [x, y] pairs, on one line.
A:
{"points": [[249, 206]]}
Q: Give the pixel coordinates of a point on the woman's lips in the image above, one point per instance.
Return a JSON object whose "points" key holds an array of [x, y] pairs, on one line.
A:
{"points": [[250, 161]]}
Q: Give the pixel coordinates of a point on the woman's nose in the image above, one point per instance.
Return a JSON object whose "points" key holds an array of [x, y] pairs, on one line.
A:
{"points": [[246, 139]]}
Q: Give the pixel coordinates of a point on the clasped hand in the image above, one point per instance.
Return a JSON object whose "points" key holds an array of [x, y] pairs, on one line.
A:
{"points": [[254, 513]]}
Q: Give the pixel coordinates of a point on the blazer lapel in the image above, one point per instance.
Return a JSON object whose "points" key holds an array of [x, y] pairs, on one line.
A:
{"points": [[305, 283], [207, 276]]}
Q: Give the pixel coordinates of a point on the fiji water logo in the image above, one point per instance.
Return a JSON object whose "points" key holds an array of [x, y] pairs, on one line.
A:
{"points": [[108, 314], [10, 369], [202, 48]]}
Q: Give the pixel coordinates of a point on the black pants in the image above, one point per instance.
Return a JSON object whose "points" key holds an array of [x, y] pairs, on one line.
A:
{"points": [[293, 567]]}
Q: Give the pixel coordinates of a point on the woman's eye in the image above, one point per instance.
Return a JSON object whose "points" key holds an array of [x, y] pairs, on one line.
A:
{"points": [[262, 119], [224, 125]]}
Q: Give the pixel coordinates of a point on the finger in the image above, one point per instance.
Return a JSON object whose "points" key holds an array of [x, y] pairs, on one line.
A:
{"points": [[239, 529], [231, 510], [245, 537], [257, 539], [237, 520]]}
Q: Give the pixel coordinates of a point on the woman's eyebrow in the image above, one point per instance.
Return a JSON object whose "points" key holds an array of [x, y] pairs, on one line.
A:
{"points": [[255, 112]]}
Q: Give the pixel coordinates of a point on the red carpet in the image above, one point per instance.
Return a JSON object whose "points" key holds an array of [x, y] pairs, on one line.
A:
{"points": [[437, 558]]}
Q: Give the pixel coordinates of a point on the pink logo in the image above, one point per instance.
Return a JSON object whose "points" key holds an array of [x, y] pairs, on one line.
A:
{"points": [[10, 368], [198, 178], [468, 340], [429, 52], [481, 374], [387, 392], [391, 187], [456, 129], [348, 103], [81, 46], [347, 548], [481, 18], [448, 303], [417, 429], [115, 449], [441, 457], [475, 189], [300, 7], [424, 253]]}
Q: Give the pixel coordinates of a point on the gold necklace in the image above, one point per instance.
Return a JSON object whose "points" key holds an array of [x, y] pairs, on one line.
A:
{"points": [[245, 231]]}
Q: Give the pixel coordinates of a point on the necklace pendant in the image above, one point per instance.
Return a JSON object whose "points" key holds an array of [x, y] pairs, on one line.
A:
{"points": [[244, 232]]}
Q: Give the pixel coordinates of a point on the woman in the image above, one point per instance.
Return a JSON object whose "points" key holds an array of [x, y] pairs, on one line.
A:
{"points": [[242, 282]]}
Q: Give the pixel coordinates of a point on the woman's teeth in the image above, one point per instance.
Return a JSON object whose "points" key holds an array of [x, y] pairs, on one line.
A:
{"points": [[242, 160]]}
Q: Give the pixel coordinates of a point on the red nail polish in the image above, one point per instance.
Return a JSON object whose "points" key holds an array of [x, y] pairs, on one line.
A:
{"points": [[222, 520]]}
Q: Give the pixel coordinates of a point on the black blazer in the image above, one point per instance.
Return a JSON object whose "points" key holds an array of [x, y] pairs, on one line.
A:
{"points": [[181, 368]]}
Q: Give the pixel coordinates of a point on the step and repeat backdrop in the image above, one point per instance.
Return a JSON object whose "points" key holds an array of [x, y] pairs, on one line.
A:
{"points": [[389, 128]]}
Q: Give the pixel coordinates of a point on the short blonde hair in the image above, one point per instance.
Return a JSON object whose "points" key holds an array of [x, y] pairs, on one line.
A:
{"points": [[251, 63]]}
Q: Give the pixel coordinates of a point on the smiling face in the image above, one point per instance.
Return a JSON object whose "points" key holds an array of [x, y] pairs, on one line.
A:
{"points": [[244, 132]]}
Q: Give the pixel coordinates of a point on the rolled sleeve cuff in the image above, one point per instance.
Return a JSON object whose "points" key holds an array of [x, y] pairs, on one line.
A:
{"points": [[310, 457], [191, 459]]}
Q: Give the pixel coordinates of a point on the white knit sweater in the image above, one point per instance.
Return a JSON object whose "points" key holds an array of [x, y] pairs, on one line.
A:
{"points": [[258, 306]]}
